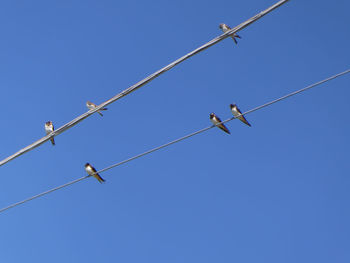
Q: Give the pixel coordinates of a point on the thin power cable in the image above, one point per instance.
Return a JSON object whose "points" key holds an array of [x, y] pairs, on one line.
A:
{"points": [[176, 141], [142, 82], [230, 119]]}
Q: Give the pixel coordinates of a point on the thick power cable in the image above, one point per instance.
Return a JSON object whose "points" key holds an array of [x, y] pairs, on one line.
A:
{"points": [[141, 83]]}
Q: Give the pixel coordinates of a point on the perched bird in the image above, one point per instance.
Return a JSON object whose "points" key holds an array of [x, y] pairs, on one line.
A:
{"points": [[92, 171], [92, 106], [236, 112], [48, 129], [226, 28], [215, 120]]}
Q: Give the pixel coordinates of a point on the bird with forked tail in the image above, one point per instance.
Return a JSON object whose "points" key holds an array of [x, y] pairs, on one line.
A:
{"points": [[48, 129], [238, 114], [217, 122], [226, 28], [92, 171], [92, 106]]}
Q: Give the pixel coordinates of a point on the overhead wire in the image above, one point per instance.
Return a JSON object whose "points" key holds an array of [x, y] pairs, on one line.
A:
{"points": [[141, 83], [177, 140]]}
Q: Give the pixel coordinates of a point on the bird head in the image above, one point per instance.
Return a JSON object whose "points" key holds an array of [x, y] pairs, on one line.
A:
{"points": [[232, 106]]}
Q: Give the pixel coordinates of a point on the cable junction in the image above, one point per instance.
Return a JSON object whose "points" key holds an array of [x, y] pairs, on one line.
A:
{"points": [[177, 140]]}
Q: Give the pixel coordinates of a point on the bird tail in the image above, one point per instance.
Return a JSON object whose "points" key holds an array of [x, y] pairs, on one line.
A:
{"points": [[99, 178], [224, 128], [104, 109], [244, 120], [227, 131], [234, 39], [100, 113], [52, 141]]}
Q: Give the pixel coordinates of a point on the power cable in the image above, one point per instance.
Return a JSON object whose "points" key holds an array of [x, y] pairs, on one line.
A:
{"points": [[141, 83], [177, 140]]}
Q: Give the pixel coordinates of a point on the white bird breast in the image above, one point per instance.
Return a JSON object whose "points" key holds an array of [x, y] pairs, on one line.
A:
{"points": [[48, 129], [89, 170], [235, 113], [91, 107], [214, 121]]}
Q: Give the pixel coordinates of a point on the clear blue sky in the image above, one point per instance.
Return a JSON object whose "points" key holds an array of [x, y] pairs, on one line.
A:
{"points": [[275, 192]]}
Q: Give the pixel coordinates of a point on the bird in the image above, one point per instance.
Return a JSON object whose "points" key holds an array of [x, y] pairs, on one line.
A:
{"points": [[92, 106], [92, 171], [48, 129], [237, 113], [226, 28], [215, 120]]}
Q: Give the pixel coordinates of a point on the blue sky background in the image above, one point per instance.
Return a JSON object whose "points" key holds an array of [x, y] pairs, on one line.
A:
{"points": [[275, 192]]}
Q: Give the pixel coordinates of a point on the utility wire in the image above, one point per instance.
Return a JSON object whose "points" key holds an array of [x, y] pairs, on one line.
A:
{"points": [[177, 140], [230, 119], [142, 82]]}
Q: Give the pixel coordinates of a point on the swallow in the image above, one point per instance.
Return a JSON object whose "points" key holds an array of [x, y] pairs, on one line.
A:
{"points": [[226, 28], [48, 129], [92, 106], [237, 113], [215, 120], [92, 171]]}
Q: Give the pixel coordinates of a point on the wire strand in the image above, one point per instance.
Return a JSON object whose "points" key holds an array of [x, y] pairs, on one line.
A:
{"points": [[177, 140], [141, 83]]}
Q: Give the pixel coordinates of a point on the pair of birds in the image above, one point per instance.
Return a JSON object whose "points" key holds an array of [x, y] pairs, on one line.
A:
{"points": [[49, 125], [235, 111], [226, 28], [88, 167]]}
